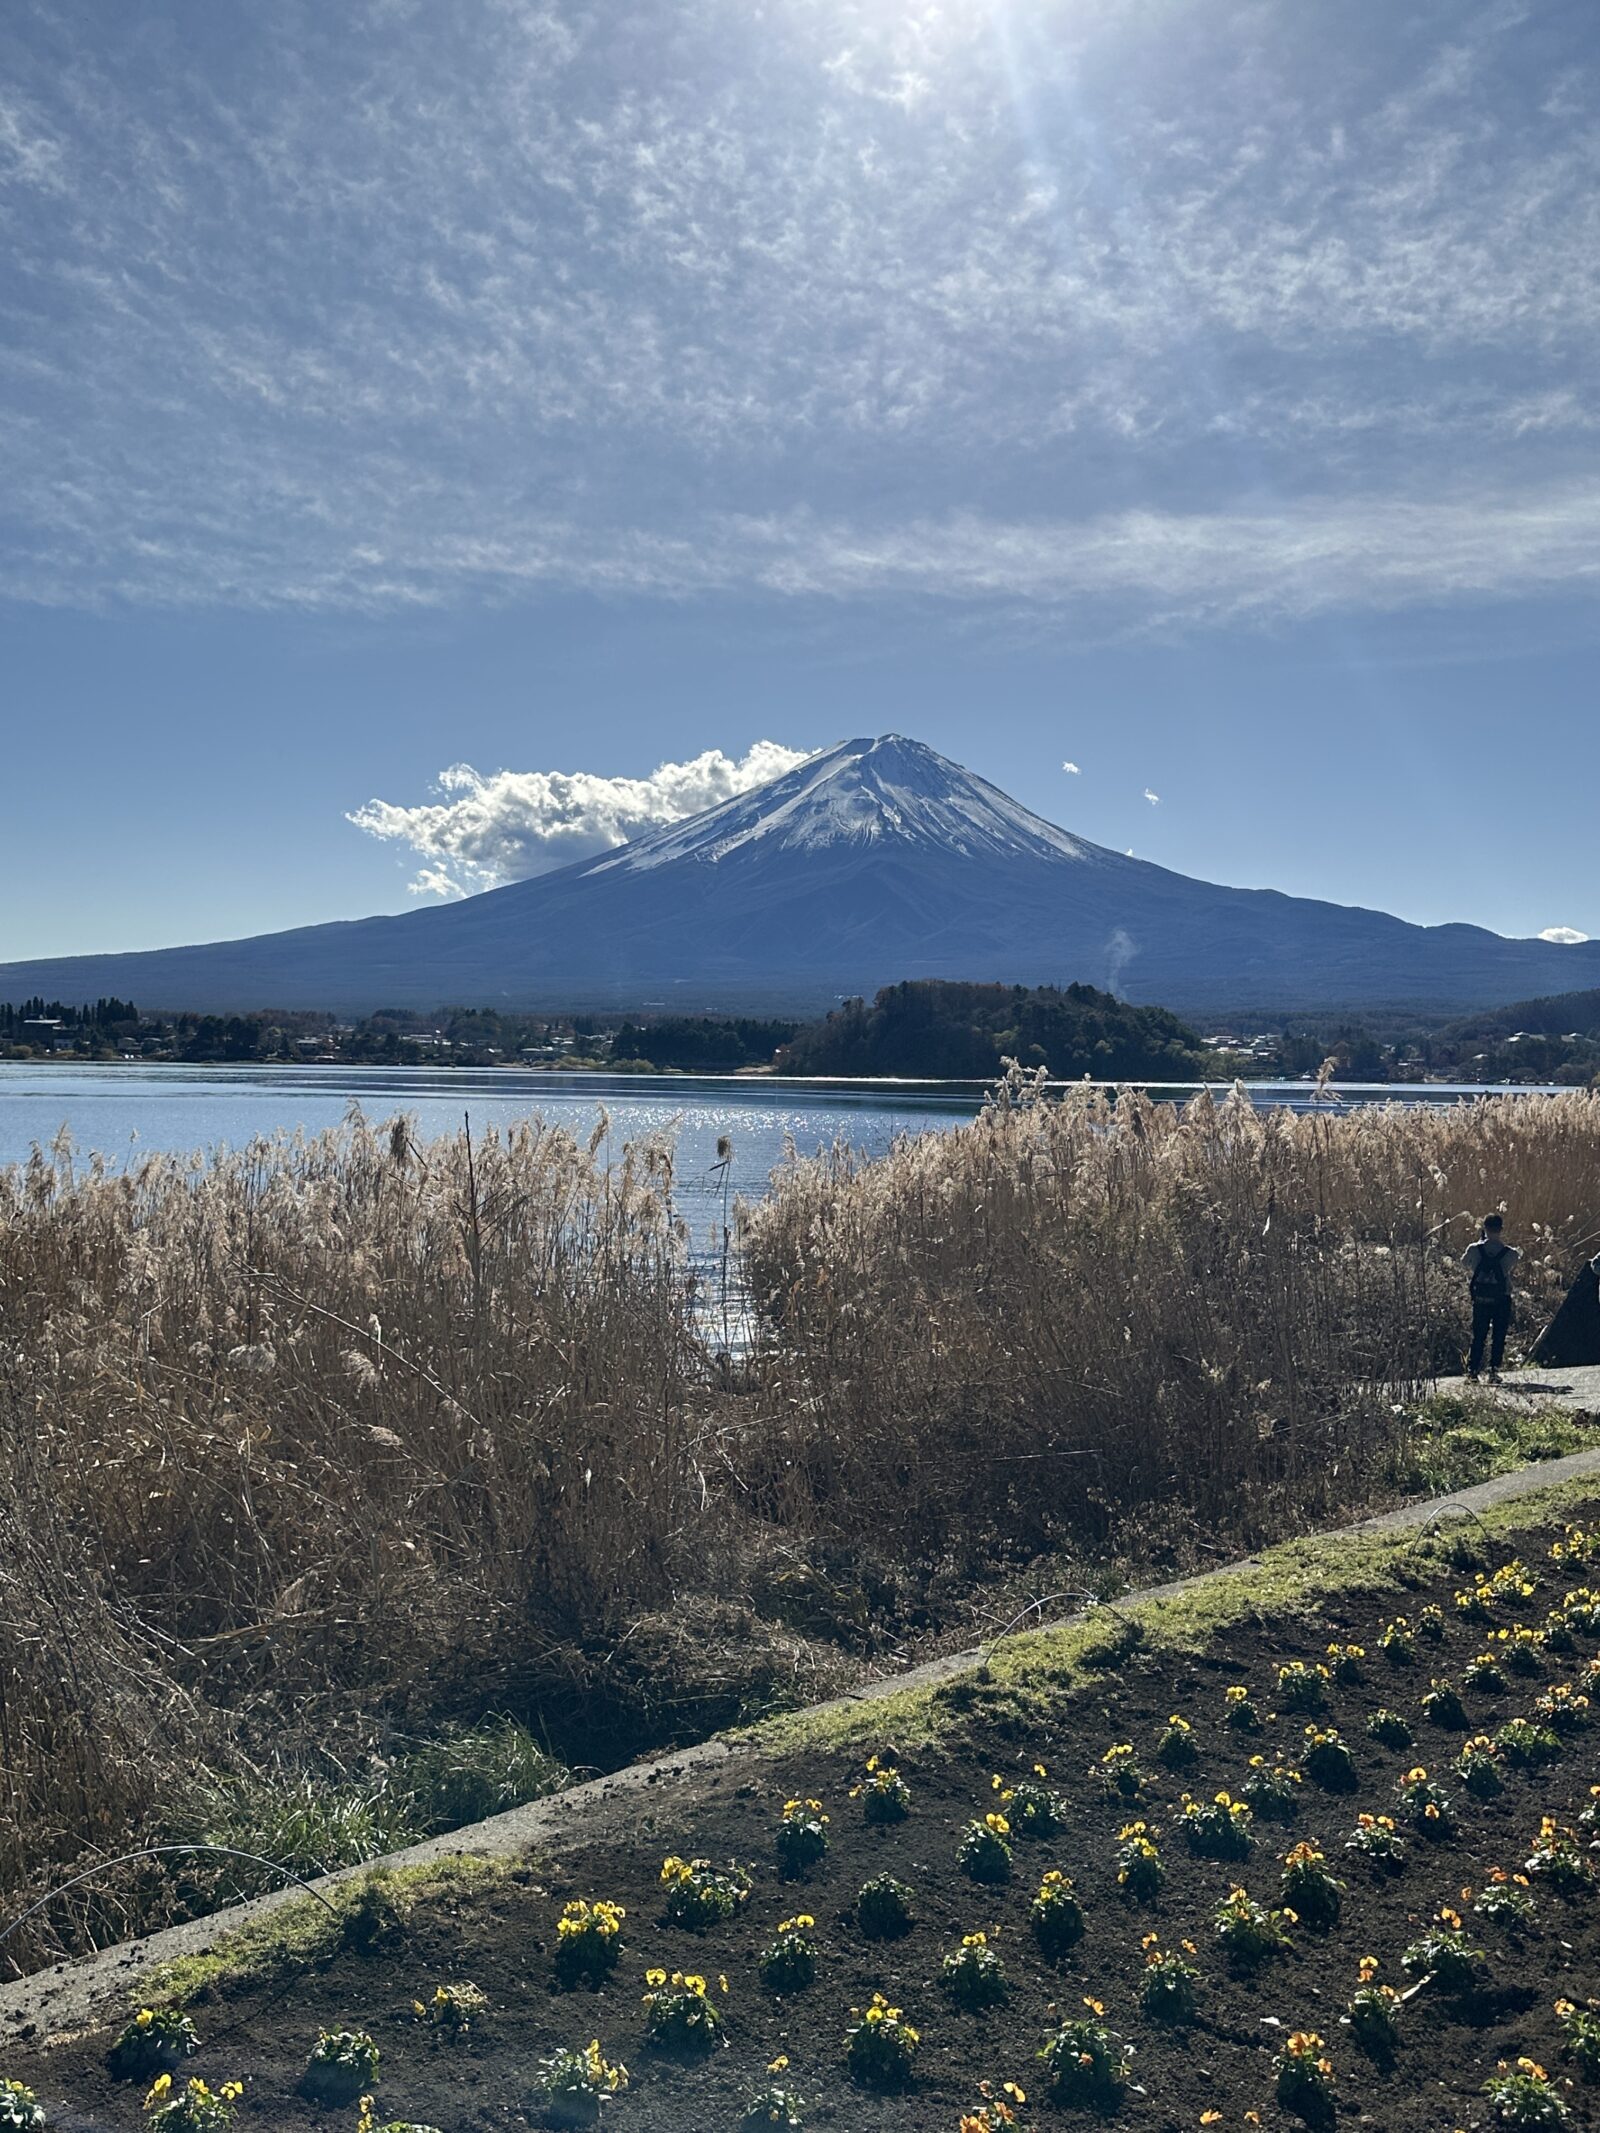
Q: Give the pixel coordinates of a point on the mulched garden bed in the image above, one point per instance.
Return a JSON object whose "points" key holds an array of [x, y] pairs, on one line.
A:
{"points": [[501, 1936]]}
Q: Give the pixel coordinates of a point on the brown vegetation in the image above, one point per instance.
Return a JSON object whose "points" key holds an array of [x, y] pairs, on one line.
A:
{"points": [[315, 1446]]}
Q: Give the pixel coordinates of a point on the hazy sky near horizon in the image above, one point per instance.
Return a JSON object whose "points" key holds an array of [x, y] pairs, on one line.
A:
{"points": [[421, 422]]}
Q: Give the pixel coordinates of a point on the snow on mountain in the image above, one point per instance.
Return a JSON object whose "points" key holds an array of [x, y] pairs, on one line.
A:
{"points": [[859, 793]]}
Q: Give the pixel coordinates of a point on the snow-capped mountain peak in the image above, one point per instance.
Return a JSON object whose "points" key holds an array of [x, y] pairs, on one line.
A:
{"points": [[863, 792]]}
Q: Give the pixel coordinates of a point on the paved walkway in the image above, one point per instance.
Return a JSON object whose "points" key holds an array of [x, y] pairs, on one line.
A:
{"points": [[1577, 1389], [69, 1995]]}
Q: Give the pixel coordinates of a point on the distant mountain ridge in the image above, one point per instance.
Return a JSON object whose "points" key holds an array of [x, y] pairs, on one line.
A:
{"points": [[871, 862]]}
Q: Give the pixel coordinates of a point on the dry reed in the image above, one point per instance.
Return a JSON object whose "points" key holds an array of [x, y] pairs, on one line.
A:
{"points": [[1066, 1311]]}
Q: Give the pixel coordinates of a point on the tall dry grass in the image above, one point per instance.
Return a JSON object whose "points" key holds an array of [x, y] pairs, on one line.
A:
{"points": [[1067, 1311], [350, 1413], [329, 1441]]}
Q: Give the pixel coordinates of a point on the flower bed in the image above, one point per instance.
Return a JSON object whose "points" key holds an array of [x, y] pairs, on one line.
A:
{"points": [[1416, 1922]]}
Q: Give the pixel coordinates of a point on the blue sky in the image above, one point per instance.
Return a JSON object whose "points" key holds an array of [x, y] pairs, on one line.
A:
{"points": [[1201, 392]]}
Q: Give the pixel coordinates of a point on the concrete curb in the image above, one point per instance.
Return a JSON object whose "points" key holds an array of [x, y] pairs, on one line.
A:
{"points": [[66, 1996]]}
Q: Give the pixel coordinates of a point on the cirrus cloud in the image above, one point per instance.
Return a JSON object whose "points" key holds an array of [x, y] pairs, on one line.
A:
{"points": [[481, 832]]}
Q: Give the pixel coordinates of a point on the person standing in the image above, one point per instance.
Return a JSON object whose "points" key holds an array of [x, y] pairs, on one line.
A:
{"points": [[1489, 1264]]}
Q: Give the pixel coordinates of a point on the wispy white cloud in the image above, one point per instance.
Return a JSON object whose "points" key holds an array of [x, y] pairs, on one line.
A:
{"points": [[408, 306], [482, 831], [1153, 797]]}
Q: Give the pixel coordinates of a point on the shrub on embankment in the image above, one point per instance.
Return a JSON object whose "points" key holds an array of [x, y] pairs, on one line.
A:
{"points": [[309, 1450]]}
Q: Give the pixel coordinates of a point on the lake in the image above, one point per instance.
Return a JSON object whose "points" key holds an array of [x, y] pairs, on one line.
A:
{"points": [[123, 1111]]}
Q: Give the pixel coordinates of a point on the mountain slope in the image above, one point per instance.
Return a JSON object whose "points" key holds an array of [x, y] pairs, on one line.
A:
{"points": [[871, 862]]}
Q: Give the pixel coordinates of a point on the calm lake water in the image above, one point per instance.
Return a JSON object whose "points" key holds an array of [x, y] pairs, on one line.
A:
{"points": [[124, 1111]]}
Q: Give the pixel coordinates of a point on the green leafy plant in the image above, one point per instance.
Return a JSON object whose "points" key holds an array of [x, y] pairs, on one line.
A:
{"points": [[1176, 1745], [984, 1853], [1446, 1957], [1308, 1888], [880, 2045], [1431, 1624], [1374, 2013], [1120, 1772], [1031, 1807], [1442, 1706], [20, 2110], [1580, 2040], [343, 2065], [1169, 1989], [1303, 2073], [1524, 2096], [1485, 1676], [1398, 1642], [588, 1942], [1087, 2063], [1425, 1805], [802, 1836], [679, 2016], [700, 1895], [1504, 1900], [1527, 1746], [1558, 1857], [1239, 1709], [1524, 1649], [156, 2041], [1589, 1818], [1249, 1933], [774, 2105], [883, 1792], [883, 1908], [974, 1975], [1478, 1767], [367, 2122], [1327, 1761], [1389, 1728], [1375, 1837], [1347, 1662], [1562, 1708], [575, 2086], [1140, 1871], [1303, 1687], [993, 2113], [452, 2008], [1056, 1916], [1272, 1790], [789, 1961], [194, 2108], [1218, 1828]]}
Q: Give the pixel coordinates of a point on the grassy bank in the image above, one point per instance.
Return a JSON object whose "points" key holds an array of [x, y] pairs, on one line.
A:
{"points": [[1065, 1812], [349, 1484]]}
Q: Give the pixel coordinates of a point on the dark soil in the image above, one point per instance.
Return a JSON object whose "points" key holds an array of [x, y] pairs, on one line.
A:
{"points": [[501, 1937]]}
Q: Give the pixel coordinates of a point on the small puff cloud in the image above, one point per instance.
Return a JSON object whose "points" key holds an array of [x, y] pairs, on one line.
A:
{"points": [[484, 831], [1072, 770], [1153, 797], [1564, 936]]}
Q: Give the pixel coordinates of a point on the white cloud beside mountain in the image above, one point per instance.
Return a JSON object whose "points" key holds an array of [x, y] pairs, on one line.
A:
{"points": [[484, 831], [1564, 936]]}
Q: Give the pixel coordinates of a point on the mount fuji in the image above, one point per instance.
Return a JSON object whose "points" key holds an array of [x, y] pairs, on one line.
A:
{"points": [[873, 861]]}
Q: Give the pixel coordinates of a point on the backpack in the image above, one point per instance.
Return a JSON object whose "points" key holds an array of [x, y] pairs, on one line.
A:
{"points": [[1489, 1283]]}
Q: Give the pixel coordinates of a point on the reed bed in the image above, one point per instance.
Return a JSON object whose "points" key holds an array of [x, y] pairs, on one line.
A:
{"points": [[332, 1426], [310, 1450], [1071, 1310]]}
